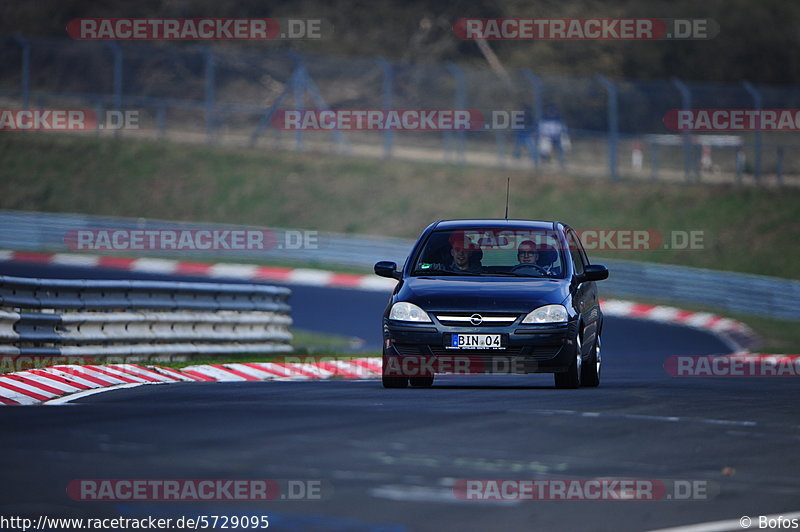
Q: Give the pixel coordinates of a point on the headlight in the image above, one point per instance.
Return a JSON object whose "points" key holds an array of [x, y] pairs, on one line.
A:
{"points": [[408, 312], [547, 314]]}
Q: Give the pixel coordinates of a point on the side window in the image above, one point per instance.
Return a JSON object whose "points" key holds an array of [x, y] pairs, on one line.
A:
{"points": [[575, 252]]}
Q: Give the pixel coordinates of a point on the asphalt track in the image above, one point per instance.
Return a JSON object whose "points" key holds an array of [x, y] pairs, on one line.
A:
{"points": [[388, 459]]}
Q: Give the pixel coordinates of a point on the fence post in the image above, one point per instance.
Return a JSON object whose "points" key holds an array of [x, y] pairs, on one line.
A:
{"points": [[460, 103], [25, 45], [757, 102], [741, 159], [388, 85], [686, 104], [655, 162], [538, 106], [613, 125], [299, 96], [209, 94]]}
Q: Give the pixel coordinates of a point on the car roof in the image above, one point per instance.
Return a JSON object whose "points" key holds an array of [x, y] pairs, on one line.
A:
{"points": [[489, 223]]}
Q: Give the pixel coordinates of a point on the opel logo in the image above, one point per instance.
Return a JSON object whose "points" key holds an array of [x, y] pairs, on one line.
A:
{"points": [[476, 319]]}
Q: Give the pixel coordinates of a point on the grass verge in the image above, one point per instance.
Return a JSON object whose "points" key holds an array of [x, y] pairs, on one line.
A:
{"points": [[747, 229]]}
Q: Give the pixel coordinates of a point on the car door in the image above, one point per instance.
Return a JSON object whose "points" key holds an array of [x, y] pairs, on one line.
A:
{"points": [[585, 293]]}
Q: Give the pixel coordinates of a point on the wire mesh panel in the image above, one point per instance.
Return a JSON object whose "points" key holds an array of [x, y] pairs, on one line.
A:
{"points": [[209, 93]]}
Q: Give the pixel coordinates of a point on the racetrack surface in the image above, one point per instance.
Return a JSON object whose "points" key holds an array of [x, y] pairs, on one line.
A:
{"points": [[388, 459]]}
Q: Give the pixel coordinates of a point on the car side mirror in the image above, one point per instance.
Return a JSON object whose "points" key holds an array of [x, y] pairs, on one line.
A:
{"points": [[388, 269], [593, 272]]}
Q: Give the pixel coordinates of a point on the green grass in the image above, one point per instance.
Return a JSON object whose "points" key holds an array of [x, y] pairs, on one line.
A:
{"points": [[746, 229]]}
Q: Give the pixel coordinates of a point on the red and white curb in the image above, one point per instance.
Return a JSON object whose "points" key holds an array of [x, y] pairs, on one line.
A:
{"points": [[251, 272], [57, 384], [736, 334]]}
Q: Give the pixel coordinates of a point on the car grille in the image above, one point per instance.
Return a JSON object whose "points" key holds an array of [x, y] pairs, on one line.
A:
{"points": [[408, 349], [488, 320]]}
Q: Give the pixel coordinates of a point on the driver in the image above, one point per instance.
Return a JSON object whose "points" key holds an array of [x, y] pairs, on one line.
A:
{"points": [[466, 255], [528, 253]]}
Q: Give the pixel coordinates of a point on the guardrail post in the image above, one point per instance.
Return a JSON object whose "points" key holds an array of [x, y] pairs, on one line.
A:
{"points": [[209, 94], [613, 126], [25, 45], [388, 85], [538, 108], [757, 103], [686, 104], [460, 103]]}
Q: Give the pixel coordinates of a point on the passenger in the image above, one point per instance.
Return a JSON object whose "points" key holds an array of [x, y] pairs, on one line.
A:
{"points": [[466, 255]]}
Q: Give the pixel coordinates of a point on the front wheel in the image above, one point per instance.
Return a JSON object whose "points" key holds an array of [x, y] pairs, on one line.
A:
{"points": [[572, 377], [421, 382], [590, 375], [394, 382]]}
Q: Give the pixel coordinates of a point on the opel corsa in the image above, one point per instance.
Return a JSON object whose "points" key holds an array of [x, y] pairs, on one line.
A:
{"points": [[493, 296]]}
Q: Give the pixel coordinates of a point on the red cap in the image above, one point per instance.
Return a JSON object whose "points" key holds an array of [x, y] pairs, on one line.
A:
{"points": [[460, 241]]}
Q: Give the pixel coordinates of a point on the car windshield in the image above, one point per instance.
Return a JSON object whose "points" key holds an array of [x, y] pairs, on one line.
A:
{"points": [[492, 252]]}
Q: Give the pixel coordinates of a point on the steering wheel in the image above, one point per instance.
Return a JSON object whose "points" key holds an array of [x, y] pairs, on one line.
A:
{"points": [[520, 267]]}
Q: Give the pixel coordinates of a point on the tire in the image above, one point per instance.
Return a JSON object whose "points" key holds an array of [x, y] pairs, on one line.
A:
{"points": [[421, 382], [590, 370], [572, 377], [394, 382]]}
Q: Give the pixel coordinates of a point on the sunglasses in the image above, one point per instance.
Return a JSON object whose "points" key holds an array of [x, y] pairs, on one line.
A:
{"points": [[528, 252]]}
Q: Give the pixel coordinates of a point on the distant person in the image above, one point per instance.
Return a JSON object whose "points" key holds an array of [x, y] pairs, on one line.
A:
{"points": [[553, 136], [465, 254], [524, 136]]}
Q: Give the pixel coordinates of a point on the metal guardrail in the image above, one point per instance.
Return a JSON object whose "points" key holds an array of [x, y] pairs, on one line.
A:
{"points": [[57, 317], [734, 292], [36, 231]]}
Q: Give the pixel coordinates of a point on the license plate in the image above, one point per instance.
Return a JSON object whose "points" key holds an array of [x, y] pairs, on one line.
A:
{"points": [[475, 341]]}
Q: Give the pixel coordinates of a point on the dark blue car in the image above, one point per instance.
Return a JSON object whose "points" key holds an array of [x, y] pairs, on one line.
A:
{"points": [[493, 296]]}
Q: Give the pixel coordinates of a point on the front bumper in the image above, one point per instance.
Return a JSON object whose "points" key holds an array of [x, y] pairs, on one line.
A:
{"points": [[411, 349]]}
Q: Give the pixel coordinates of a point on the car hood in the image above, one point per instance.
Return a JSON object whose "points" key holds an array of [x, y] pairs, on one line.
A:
{"points": [[486, 294]]}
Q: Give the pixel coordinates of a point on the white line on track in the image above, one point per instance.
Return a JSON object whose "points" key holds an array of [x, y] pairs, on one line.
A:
{"points": [[71, 397], [645, 417]]}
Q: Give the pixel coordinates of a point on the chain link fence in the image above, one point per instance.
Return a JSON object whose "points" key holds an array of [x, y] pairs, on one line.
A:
{"points": [[192, 92]]}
